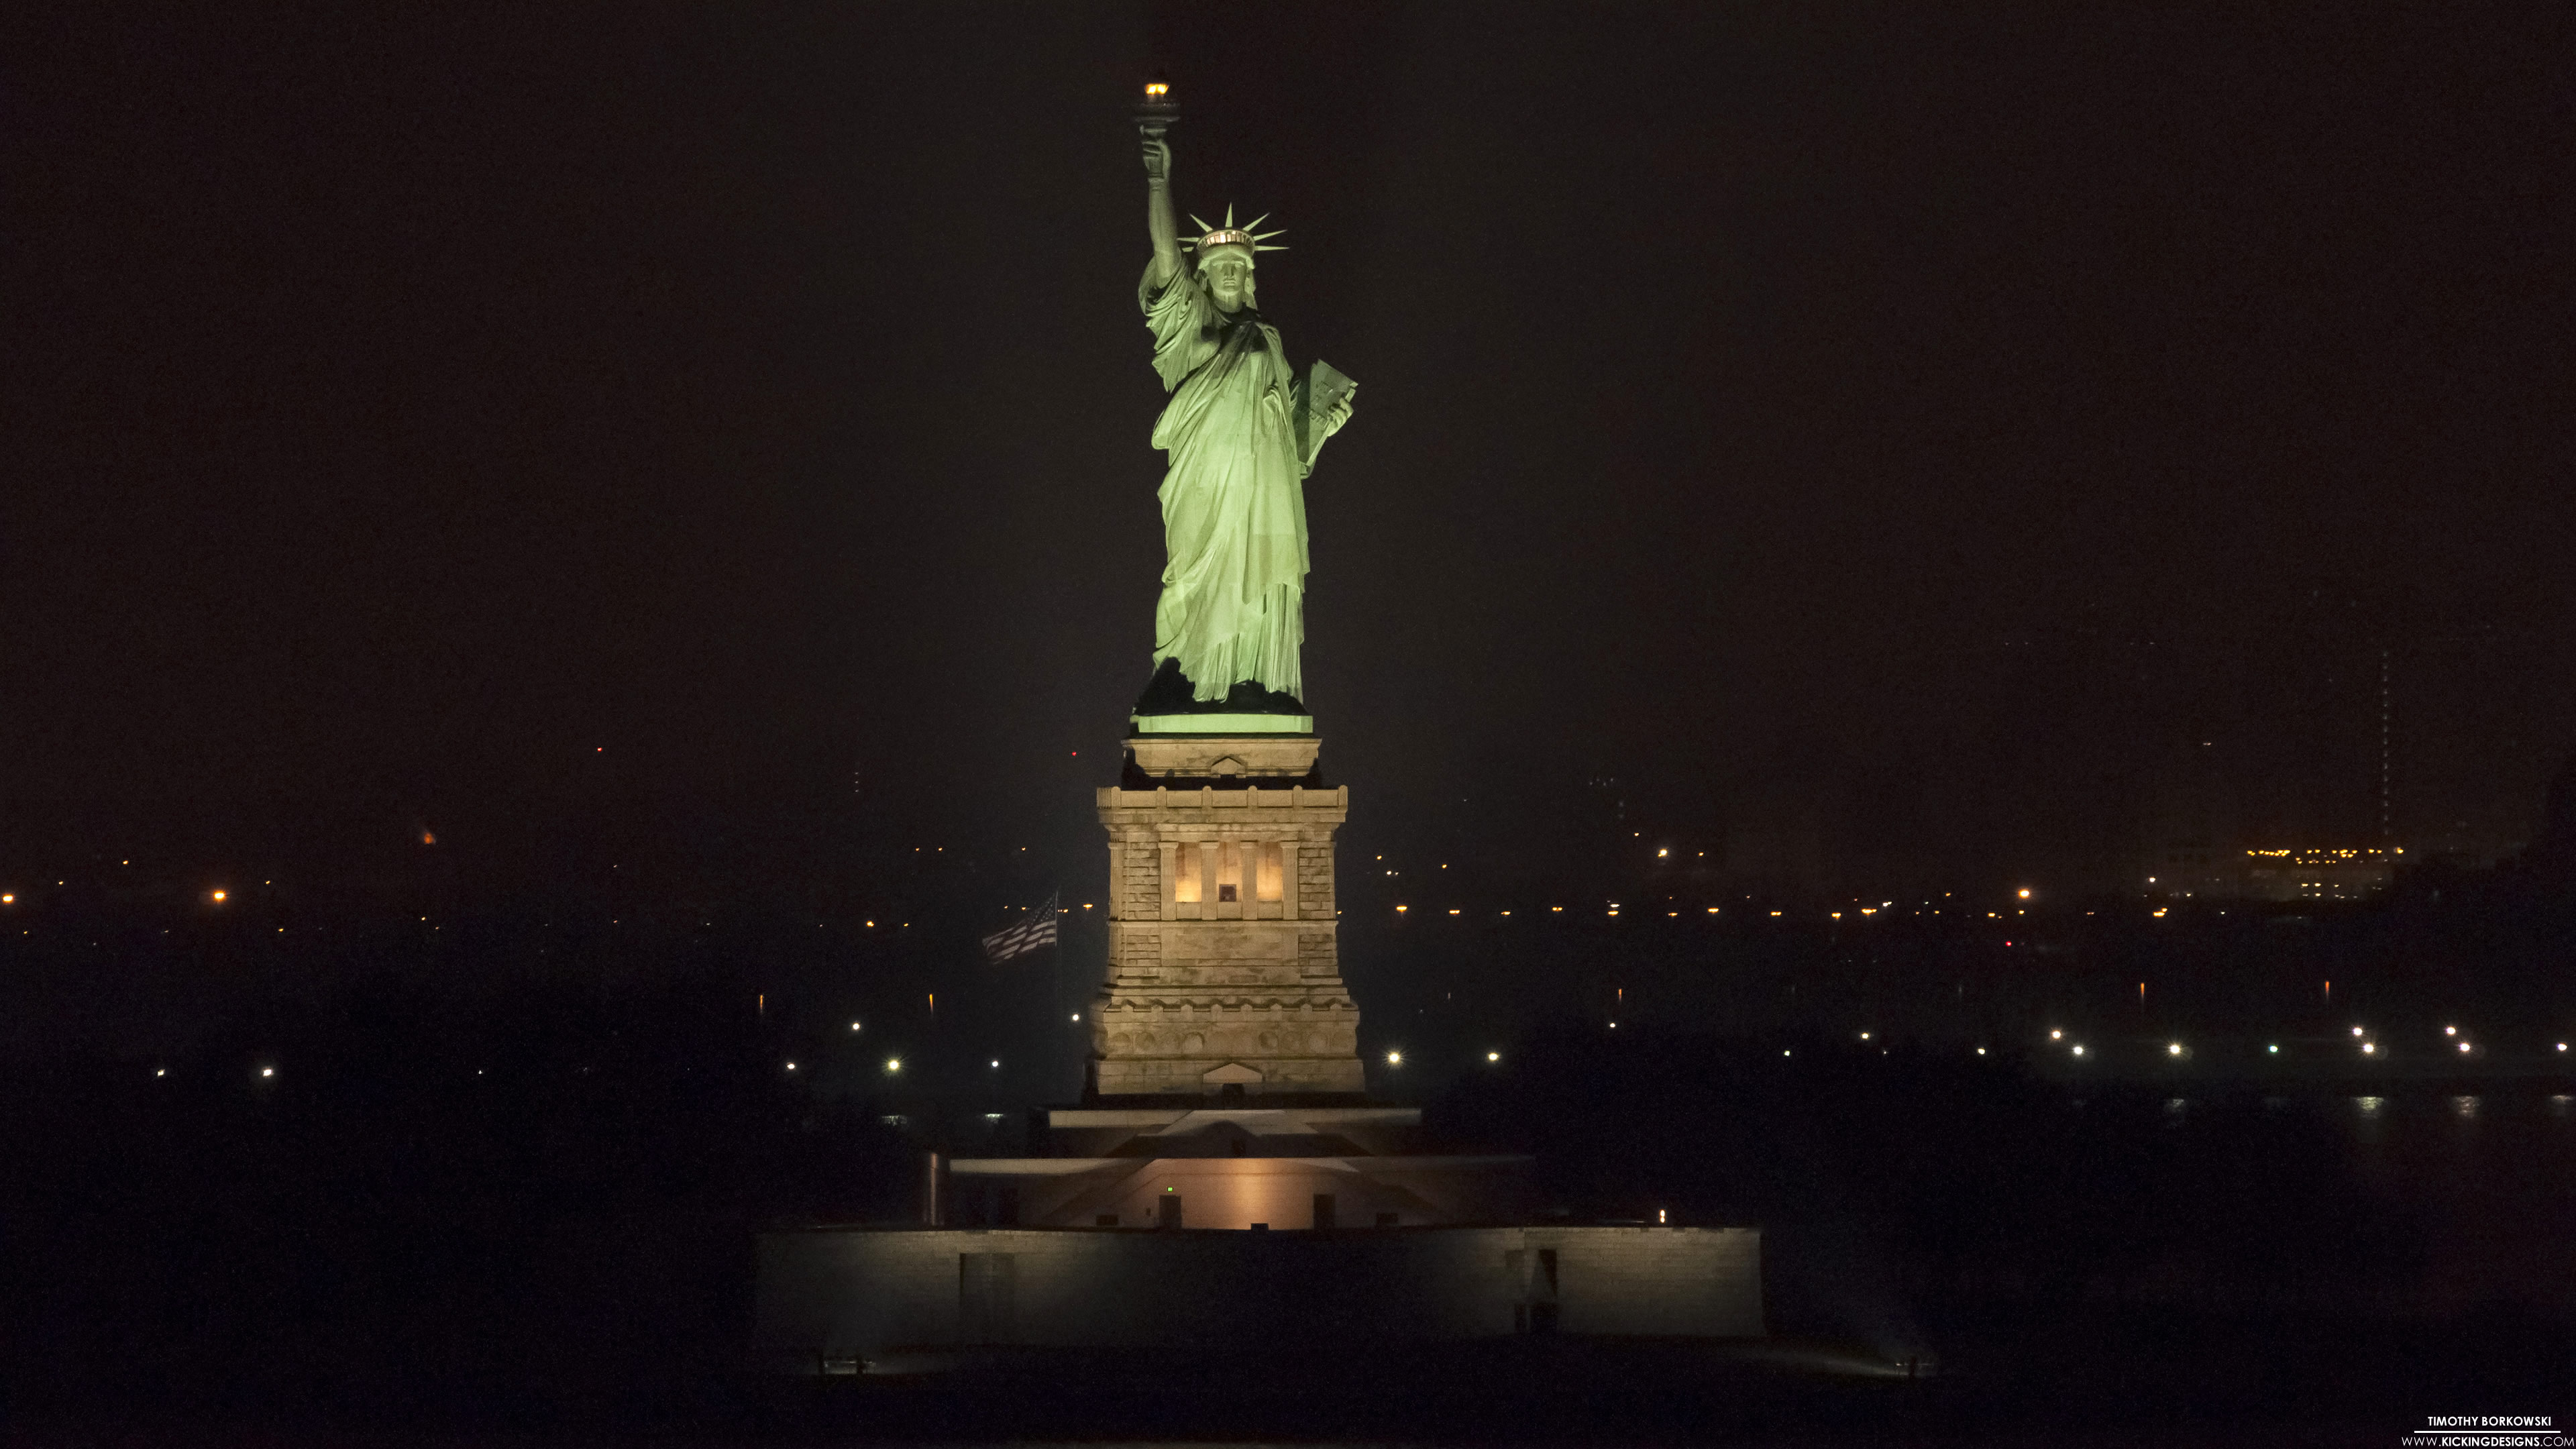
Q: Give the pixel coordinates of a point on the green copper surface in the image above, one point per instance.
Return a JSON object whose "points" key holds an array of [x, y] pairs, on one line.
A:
{"points": [[1223, 724], [1239, 450]]}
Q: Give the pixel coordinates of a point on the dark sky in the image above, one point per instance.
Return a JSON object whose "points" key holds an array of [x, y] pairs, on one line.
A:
{"points": [[1926, 427]]}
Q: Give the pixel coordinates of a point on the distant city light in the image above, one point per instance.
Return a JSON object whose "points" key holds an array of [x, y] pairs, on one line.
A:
{"points": [[2055, 1035], [2079, 1049], [1660, 1218], [894, 1064], [1395, 1059], [2025, 893], [854, 1026], [1077, 1016], [2464, 1046], [1498, 1056], [268, 1071], [2450, 1031], [791, 1066], [160, 1071], [2356, 1031], [2369, 1046], [2274, 1049], [10, 899], [1864, 1036], [1400, 910], [218, 897], [1660, 854], [2562, 1046], [2173, 1049], [997, 1064]]}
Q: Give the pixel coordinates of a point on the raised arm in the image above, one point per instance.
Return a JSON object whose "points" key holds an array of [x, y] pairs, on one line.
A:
{"points": [[1158, 211]]}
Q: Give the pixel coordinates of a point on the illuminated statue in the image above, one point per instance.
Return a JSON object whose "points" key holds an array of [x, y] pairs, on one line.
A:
{"points": [[1241, 433]]}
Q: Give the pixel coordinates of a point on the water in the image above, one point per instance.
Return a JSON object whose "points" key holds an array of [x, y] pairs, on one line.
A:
{"points": [[2492, 1177]]}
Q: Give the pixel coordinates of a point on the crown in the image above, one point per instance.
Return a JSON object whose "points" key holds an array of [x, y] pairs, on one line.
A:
{"points": [[1230, 235]]}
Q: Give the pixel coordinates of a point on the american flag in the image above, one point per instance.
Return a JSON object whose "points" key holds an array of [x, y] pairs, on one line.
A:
{"points": [[1032, 934]]}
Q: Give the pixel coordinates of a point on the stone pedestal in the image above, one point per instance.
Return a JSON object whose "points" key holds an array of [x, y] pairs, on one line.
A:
{"points": [[1224, 973]]}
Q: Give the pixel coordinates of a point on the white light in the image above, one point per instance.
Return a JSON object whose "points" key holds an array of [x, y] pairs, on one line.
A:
{"points": [[1498, 1056], [1981, 1051], [894, 1064], [1077, 1016], [2276, 1051], [2173, 1049], [791, 1066], [1864, 1036], [2356, 1031], [2370, 1046], [997, 1064], [2450, 1031], [2562, 1046], [165, 1071], [2464, 1046], [268, 1071], [1659, 1216], [854, 1026], [1395, 1059], [2055, 1035], [2079, 1049]]}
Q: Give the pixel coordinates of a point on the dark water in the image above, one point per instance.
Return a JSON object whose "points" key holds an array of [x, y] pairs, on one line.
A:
{"points": [[2492, 1175]]}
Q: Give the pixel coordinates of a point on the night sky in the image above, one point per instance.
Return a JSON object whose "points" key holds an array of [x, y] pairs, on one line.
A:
{"points": [[1938, 434]]}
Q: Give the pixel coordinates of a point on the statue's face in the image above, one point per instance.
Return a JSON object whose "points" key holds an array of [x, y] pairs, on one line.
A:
{"points": [[1229, 280]]}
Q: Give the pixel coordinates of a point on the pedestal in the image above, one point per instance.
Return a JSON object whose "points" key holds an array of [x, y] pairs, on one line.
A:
{"points": [[1224, 971]]}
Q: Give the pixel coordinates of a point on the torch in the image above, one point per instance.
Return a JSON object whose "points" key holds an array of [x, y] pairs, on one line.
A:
{"points": [[1157, 112]]}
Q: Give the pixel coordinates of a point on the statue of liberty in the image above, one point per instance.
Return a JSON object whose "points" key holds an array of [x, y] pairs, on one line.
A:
{"points": [[1240, 434]]}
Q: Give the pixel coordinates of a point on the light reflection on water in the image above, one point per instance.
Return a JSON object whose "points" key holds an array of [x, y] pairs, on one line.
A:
{"points": [[2490, 1176]]}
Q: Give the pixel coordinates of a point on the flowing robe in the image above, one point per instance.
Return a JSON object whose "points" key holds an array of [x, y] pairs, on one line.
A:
{"points": [[1234, 501]]}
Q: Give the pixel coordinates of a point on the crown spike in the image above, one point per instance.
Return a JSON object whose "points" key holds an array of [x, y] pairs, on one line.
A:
{"points": [[1204, 228], [1229, 216], [1256, 221]]}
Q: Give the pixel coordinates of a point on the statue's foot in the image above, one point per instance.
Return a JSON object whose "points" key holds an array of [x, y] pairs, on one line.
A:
{"points": [[1172, 692]]}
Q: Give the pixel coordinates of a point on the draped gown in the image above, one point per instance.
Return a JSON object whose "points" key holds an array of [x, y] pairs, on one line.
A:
{"points": [[1234, 502]]}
